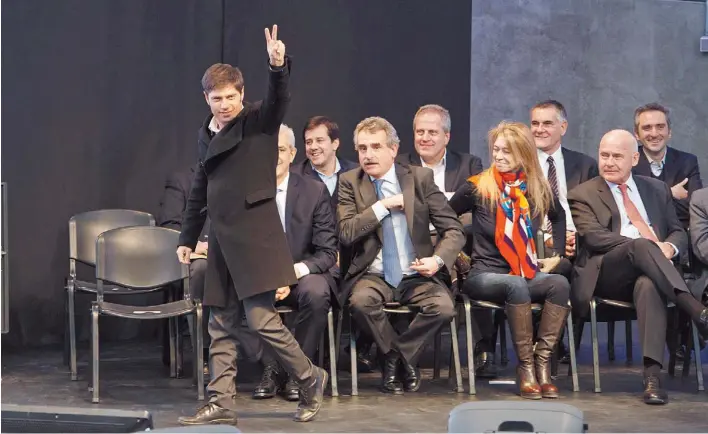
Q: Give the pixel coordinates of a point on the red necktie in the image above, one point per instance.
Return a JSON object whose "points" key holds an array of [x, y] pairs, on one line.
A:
{"points": [[634, 216]]}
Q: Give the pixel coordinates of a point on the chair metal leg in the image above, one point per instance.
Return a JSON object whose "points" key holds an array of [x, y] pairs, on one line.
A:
{"points": [[171, 327], [611, 340], [178, 349], [628, 340], [338, 341], [456, 357], [94, 353], [502, 339], [687, 357], [699, 363], [332, 353], [352, 356], [571, 348], [673, 339], [320, 351], [199, 351], [70, 293], [437, 343], [470, 345], [595, 349]]}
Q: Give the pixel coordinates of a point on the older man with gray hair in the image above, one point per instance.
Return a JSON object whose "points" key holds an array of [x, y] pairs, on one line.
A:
{"points": [[308, 221], [629, 236]]}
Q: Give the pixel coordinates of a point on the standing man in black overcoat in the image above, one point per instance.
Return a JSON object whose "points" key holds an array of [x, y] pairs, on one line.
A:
{"points": [[248, 253]]}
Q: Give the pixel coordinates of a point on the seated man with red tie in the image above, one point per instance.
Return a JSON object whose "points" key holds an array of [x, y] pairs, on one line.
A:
{"points": [[629, 235]]}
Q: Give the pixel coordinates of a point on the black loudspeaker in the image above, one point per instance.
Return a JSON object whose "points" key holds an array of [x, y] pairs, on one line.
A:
{"points": [[44, 419]]}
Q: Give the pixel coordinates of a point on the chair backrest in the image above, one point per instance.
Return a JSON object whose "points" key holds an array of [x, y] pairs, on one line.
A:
{"points": [[139, 257], [84, 228]]}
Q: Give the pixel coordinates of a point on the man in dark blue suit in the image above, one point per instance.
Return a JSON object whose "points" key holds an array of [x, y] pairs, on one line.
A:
{"points": [[321, 137], [309, 224]]}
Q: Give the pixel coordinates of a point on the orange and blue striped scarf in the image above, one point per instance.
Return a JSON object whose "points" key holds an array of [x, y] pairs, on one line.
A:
{"points": [[513, 233]]}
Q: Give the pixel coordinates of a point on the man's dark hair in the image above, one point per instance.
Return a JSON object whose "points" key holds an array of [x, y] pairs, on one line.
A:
{"points": [[651, 107], [220, 75], [556, 105], [316, 121]]}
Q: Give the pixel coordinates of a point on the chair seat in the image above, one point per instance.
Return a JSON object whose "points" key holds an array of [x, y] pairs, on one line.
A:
{"points": [[167, 310], [284, 309], [92, 288], [615, 303]]}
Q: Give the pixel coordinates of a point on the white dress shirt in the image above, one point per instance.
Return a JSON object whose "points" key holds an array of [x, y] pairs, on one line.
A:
{"points": [[214, 126], [406, 252], [281, 197], [656, 166], [627, 229], [559, 163], [330, 180], [438, 171]]}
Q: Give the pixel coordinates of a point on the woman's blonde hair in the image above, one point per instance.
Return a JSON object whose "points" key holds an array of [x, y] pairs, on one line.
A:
{"points": [[521, 145]]}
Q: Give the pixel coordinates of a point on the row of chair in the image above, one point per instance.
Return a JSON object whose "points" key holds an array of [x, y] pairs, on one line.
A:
{"points": [[132, 256]]}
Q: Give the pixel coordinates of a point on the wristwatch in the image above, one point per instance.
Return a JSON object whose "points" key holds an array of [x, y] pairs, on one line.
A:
{"points": [[439, 260]]}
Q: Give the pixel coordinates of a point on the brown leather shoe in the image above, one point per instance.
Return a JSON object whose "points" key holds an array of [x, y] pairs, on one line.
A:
{"points": [[552, 321], [519, 316], [654, 394], [210, 414]]}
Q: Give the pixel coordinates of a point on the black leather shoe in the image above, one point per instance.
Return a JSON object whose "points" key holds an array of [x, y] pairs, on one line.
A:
{"points": [[390, 382], [411, 377], [291, 391], [653, 393], [311, 397], [485, 367], [210, 414], [268, 386], [364, 364]]}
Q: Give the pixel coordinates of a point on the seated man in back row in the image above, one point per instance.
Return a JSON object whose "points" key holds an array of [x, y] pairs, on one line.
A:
{"points": [[629, 236], [308, 221], [383, 214]]}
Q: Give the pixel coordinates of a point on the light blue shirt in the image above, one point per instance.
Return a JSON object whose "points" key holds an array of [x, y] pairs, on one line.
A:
{"points": [[406, 253], [627, 229], [330, 181]]}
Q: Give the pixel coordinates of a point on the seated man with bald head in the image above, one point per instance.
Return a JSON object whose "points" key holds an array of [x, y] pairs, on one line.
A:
{"points": [[629, 236]]}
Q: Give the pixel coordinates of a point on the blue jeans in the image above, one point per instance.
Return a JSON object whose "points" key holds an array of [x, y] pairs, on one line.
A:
{"points": [[505, 288]]}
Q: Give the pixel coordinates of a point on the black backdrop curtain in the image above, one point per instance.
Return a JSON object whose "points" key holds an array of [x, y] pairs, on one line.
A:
{"points": [[101, 100]]}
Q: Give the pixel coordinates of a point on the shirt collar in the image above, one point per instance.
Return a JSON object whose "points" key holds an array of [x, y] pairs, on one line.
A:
{"points": [[442, 162], [283, 186], [337, 168], [557, 156], [389, 176], [213, 125], [657, 163], [630, 184]]}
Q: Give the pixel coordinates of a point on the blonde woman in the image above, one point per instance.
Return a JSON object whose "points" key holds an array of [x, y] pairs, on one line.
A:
{"points": [[508, 202]]}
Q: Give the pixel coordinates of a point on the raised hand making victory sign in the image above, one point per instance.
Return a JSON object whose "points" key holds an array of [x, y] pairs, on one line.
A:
{"points": [[275, 47]]}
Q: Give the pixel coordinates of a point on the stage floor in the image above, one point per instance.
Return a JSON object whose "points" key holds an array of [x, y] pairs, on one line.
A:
{"points": [[133, 378]]}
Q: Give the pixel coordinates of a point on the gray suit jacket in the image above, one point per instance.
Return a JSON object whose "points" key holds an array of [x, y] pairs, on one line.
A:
{"points": [[360, 230], [598, 221], [698, 211]]}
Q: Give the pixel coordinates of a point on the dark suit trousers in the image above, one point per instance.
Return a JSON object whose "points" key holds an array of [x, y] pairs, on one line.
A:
{"points": [[432, 302], [225, 325], [639, 272], [311, 299]]}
